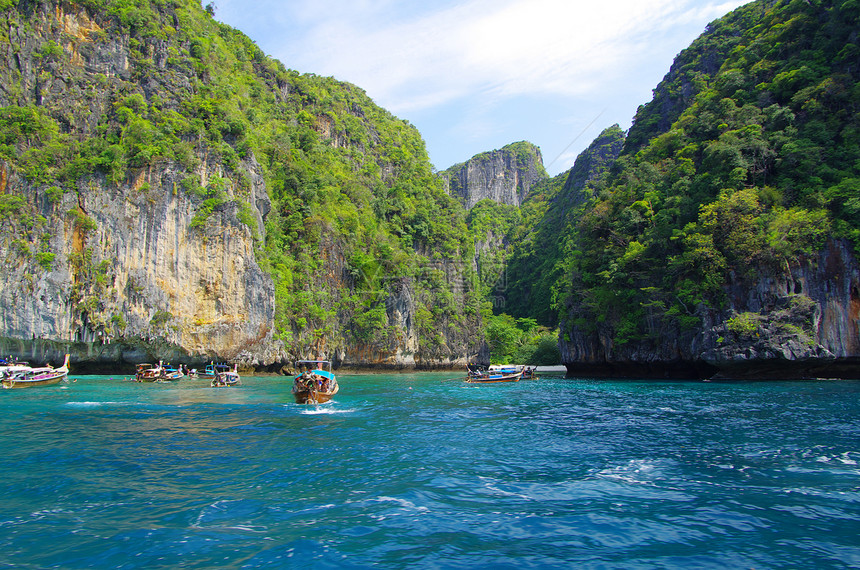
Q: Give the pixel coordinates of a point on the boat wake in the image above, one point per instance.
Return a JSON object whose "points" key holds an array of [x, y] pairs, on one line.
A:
{"points": [[325, 410], [100, 404]]}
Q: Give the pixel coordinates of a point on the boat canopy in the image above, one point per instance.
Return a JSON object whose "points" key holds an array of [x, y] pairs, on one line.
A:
{"points": [[319, 367]]}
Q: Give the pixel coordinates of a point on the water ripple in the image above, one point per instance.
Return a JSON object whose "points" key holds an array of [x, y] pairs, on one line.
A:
{"points": [[416, 470]]}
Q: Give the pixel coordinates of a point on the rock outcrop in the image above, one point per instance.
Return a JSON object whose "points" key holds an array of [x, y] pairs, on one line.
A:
{"points": [[132, 279], [724, 240], [505, 175], [122, 270], [797, 324]]}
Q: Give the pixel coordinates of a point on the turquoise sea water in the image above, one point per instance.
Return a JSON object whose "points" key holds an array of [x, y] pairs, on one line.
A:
{"points": [[420, 471]]}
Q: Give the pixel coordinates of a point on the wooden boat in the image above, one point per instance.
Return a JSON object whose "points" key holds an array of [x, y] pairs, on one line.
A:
{"points": [[156, 373], [316, 383], [22, 376], [530, 373], [212, 370], [495, 373], [225, 378], [147, 372], [171, 373]]}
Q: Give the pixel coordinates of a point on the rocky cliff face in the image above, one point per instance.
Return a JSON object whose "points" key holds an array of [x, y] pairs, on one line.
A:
{"points": [[416, 321], [135, 208], [505, 175], [796, 324], [702, 254], [591, 164], [140, 284], [115, 271]]}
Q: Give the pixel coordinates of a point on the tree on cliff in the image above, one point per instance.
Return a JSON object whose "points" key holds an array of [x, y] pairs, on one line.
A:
{"points": [[744, 163]]}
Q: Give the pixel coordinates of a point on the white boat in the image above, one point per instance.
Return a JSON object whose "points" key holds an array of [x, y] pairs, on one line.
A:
{"points": [[27, 377], [225, 377]]}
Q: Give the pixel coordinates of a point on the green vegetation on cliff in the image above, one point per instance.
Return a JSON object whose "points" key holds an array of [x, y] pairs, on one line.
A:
{"points": [[745, 162], [355, 205], [536, 270]]}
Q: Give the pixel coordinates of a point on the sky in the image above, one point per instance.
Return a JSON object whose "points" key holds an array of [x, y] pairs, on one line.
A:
{"points": [[475, 75]]}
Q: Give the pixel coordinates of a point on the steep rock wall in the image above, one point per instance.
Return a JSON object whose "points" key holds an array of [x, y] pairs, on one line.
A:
{"points": [[126, 269], [797, 324], [143, 283], [416, 321], [505, 175], [152, 256]]}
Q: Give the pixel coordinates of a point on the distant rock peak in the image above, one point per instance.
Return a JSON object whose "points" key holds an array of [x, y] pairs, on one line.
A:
{"points": [[505, 175]]}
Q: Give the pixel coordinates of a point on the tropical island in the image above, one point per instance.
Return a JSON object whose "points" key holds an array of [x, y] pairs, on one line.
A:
{"points": [[168, 191]]}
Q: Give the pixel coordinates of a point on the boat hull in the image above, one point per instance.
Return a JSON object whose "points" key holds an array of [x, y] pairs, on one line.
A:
{"points": [[316, 384], [307, 397], [157, 379], [28, 377], [492, 379], [15, 384], [227, 382]]}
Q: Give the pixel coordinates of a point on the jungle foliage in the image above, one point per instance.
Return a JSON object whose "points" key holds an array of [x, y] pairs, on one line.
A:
{"points": [[521, 341], [350, 184], [745, 162]]}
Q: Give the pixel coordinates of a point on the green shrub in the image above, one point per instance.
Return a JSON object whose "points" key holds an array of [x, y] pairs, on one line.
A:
{"points": [[45, 259], [55, 194], [160, 318], [744, 325]]}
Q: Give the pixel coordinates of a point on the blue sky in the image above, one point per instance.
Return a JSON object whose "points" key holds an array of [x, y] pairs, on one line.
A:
{"points": [[475, 75]]}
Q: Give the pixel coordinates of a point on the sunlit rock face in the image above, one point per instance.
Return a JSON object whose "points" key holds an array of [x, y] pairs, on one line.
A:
{"points": [[142, 280], [124, 269], [505, 175], [145, 259]]}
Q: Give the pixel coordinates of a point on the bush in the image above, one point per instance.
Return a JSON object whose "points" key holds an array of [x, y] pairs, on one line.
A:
{"points": [[45, 259], [744, 325]]}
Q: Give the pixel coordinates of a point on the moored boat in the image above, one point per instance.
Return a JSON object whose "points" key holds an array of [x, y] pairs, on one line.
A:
{"points": [[316, 383], [22, 376], [495, 373], [156, 373], [530, 373], [225, 378], [212, 370], [171, 373]]}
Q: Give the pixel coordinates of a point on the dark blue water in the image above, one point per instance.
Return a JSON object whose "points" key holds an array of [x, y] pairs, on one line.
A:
{"points": [[420, 471]]}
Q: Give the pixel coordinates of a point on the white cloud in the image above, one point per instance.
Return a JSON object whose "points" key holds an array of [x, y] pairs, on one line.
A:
{"points": [[497, 48], [473, 71]]}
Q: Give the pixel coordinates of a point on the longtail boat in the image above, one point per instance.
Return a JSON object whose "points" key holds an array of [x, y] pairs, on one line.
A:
{"points": [[156, 373], [495, 373], [224, 377], [315, 383], [212, 370], [26, 376]]}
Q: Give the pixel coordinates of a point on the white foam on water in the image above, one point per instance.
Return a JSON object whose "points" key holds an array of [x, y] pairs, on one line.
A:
{"points": [[402, 502], [635, 471], [317, 411], [100, 404]]}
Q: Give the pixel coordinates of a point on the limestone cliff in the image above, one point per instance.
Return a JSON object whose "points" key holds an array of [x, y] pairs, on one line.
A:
{"points": [[533, 274], [169, 192], [794, 324], [505, 175], [118, 268], [139, 282], [724, 239]]}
